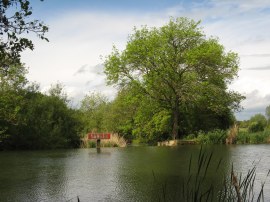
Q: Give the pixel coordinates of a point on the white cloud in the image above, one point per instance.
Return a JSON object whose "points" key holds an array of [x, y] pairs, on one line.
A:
{"points": [[254, 104], [78, 39]]}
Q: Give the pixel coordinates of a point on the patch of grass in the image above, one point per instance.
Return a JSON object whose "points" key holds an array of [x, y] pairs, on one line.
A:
{"points": [[91, 144]]}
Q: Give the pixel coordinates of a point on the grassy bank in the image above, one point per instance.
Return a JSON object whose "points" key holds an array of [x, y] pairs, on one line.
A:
{"points": [[240, 137], [244, 137]]}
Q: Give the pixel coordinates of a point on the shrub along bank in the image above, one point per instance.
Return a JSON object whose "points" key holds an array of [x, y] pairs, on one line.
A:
{"points": [[219, 137], [253, 138], [115, 141]]}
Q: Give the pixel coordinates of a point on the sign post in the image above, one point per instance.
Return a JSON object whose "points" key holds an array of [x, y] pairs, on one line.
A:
{"points": [[98, 137]]}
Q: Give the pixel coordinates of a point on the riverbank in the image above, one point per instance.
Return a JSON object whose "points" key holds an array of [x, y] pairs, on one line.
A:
{"points": [[176, 142], [221, 137]]}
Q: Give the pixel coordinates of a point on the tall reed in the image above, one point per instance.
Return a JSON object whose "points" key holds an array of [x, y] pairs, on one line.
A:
{"points": [[196, 187]]}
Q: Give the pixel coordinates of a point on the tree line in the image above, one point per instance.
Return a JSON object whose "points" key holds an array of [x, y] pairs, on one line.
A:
{"points": [[172, 81], [30, 119]]}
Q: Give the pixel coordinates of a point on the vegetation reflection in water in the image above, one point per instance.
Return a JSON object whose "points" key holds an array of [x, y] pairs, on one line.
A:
{"points": [[132, 173], [196, 187]]}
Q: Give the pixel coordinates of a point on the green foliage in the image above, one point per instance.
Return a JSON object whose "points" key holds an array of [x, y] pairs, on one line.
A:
{"points": [[243, 124], [57, 90], [253, 138], [212, 137], [255, 127], [190, 137], [12, 84], [48, 123], [28, 118], [91, 144], [121, 113], [243, 138], [257, 123], [267, 113], [259, 118], [151, 124], [180, 70], [93, 112], [15, 24], [32, 120]]}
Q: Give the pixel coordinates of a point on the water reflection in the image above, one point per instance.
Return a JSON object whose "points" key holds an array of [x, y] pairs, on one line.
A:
{"points": [[118, 174], [162, 171], [32, 176]]}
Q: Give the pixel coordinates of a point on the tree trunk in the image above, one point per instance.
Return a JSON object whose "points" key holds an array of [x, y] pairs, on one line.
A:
{"points": [[175, 130]]}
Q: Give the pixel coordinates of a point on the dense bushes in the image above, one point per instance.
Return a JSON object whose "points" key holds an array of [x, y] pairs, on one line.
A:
{"points": [[256, 127], [219, 137], [253, 138], [212, 137], [256, 123], [41, 122]]}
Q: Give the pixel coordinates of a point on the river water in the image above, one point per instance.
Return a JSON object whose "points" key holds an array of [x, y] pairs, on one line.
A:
{"points": [[119, 174]]}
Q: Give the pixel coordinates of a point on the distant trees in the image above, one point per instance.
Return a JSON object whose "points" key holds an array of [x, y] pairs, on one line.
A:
{"points": [[181, 72], [257, 122], [93, 112], [267, 113]]}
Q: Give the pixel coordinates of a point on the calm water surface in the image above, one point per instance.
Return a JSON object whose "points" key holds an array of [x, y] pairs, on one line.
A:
{"points": [[115, 174]]}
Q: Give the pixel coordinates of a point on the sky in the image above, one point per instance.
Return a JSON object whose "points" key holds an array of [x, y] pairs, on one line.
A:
{"points": [[83, 32]]}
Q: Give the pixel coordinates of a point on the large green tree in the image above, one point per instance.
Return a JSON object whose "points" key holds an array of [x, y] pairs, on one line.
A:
{"points": [[178, 67]]}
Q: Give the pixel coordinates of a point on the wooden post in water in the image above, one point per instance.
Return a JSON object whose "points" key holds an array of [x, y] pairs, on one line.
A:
{"points": [[98, 143], [98, 137]]}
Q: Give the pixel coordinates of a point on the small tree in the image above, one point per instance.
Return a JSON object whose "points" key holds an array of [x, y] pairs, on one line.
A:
{"points": [[257, 123]]}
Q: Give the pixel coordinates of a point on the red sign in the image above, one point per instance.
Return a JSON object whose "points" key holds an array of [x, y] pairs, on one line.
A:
{"points": [[95, 136]]}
